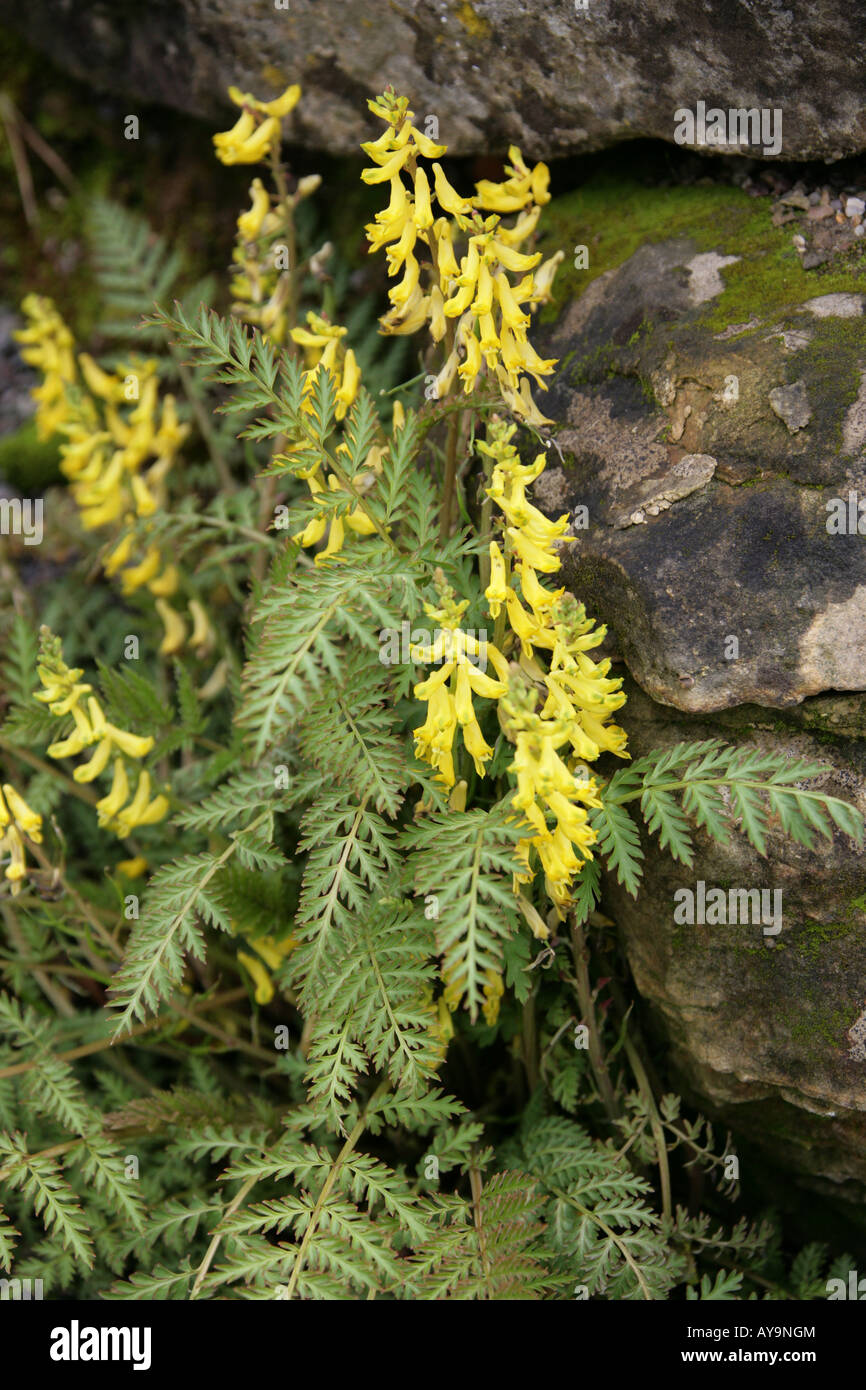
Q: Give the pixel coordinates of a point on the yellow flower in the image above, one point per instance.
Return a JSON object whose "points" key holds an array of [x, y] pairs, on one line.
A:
{"points": [[273, 953], [202, 637], [49, 346], [30, 822], [250, 223], [357, 521], [497, 590], [17, 820], [132, 868], [447, 197], [142, 573], [141, 810], [524, 186], [448, 690], [63, 692], [248, 142], [494, 989], [109, 806], [175, 629]]}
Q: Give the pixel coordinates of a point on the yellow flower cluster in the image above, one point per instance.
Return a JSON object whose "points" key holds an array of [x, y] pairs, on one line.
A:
{"points": [[119, 448], [548, 636], [62, 691], [470, 302], [580, 696], [17, 821], [323, 347], [48, 345], [547, 620], [256, 132], [262, 282], [449, 690]]}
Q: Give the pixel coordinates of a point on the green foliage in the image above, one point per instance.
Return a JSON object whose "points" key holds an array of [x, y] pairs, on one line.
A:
{"points": [[326, 1044], [688, 783]]}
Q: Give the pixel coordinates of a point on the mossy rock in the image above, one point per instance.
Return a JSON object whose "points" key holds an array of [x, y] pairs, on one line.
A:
{"points": [[709, 402]]}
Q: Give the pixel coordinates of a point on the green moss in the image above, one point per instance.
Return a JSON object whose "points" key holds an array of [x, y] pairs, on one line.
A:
{"points": [[27, 462], [813, 938], [821, 1022], [614, 215]]}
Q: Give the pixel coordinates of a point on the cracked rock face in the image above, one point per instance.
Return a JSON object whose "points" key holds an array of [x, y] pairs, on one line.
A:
{"points": [[556, 79], [721, 457], [721, 509]]}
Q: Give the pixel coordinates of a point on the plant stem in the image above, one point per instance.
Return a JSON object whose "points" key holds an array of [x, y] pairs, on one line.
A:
{"points": [[87, 1049], [316, 1214], [450, 475], [646, 1091], [202, 418], [611, 1235], [218, 1235], [580, 954]]}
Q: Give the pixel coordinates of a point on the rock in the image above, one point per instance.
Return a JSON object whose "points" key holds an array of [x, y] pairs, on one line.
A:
{"points": [[839, 306], [855, 207], [705, 281], [555, 79], [791, 404], [767, 1038], [739, 610]]}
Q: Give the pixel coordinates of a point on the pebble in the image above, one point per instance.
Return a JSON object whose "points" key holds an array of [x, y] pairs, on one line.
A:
{"points": [[855, 207], [859, 231]]}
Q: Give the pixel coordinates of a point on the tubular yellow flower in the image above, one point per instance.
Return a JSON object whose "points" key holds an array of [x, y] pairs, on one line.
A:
{"points": [[494, 989], [248, 142], [282, 105], [142, 573], [98, 762], [119, 555], [448, 691], [250, 223], [423, 213], [175, 629], [447, 197], [17, 820], [110, 805], [30, 822], [141, 810], [273, 953], [202, 637], [132, 868], [166, 583], [264, 992]]}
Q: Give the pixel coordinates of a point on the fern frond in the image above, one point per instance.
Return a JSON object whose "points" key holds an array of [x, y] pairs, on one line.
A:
{"points": [[178, 899], [40, 1180], [467, 864]]}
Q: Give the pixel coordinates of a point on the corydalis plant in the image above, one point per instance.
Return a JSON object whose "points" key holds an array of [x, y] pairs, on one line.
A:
{"points": [[351, 862]]}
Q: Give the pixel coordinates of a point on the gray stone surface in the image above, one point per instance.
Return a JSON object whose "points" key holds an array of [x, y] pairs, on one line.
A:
{"points": [[555, 78], [738, 615]]}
